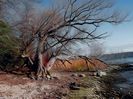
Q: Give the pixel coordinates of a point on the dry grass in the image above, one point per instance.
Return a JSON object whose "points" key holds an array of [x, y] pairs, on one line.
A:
{"points": [[79, 65]]}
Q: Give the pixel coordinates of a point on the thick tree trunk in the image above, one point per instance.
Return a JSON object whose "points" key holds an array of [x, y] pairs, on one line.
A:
{"points": [[49, 66], [39, 55], [40, 71], [39, 58], [43, 69], [45, 64], [50, 63]]}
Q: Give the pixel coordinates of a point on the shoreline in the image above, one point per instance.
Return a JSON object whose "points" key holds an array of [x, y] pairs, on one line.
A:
{"points": [[114, 78], [90, 86]]}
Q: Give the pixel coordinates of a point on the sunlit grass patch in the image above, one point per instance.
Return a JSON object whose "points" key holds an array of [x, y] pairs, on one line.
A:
{"points": [[88, 88]]}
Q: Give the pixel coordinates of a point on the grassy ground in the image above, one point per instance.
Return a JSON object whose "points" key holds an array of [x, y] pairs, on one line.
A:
{"points": [[88, 89]]}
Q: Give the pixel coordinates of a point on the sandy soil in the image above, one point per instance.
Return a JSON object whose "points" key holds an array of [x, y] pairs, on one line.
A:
{"points": [[20, 87], [91, 87]]}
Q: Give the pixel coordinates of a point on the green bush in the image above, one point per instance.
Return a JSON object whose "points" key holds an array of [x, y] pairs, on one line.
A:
{"points": [[9, 45]]}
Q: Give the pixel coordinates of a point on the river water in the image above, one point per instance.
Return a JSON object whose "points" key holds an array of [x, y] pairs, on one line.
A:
{"points": [[128, 60], [127, 73], [123, 82], [127, 84]]}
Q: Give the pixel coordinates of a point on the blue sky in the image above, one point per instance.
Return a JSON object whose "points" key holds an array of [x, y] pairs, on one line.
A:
{"points": [[121, 36]]}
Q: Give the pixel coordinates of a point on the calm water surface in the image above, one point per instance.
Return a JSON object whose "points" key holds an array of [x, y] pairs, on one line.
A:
{"points": [[127, 74]]}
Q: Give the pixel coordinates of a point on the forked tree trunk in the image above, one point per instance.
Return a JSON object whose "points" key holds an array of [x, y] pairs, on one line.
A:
{"points": [[43, 61], [40, 70], [45, 64], [48, 66], [39, 57]]}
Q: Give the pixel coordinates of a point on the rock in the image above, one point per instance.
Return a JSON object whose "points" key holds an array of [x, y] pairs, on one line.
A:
{"points": [[56, 78], [58, 97], [101, 73], [49, 77], [33, 78], [74, 86], [127, 97], [64, 94], [95, 74], [82, 75], [85, 97], [74, 75], [25, 78]]}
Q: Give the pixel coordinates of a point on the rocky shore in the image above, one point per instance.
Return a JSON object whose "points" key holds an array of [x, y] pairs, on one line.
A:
{"points": [[115, 85], [64, 85], [67, 85]]}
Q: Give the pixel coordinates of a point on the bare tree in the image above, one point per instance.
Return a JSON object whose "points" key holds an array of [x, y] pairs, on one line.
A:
{"points": [[96, 49], [61, 27]]}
